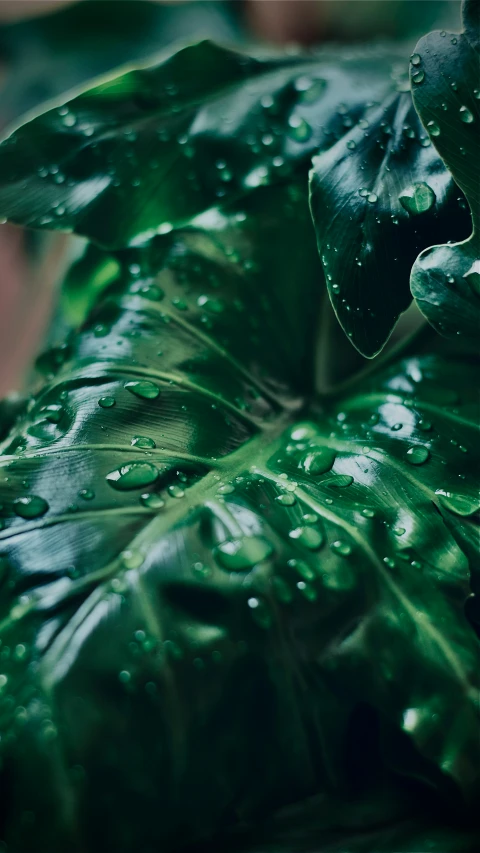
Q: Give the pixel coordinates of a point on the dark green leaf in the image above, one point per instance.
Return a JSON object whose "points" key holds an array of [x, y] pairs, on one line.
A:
{"points": [[148, 150], [445, 73], [378, 197], [204, 576]]}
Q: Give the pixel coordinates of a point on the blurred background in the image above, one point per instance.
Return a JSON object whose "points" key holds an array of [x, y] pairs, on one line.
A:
{"points": [[50, 46]]}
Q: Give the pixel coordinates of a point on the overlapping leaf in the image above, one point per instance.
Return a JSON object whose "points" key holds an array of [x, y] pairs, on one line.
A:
{"points": [[203, 578], [145, 151], [445, 72], [378, 196]]}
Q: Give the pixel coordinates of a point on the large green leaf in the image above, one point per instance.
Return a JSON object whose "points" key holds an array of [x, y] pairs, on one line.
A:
{"points": [[145, 151], [445, 72], [205, 573], [378, 197]]}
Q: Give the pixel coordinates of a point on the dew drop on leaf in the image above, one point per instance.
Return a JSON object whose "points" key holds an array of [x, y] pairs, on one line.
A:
{"points": [[418, 76], [309, 537], [417, 455], [286, 499], [299, 129], [152, 501], [466, 115], [143, 388], [132, 559], [417, 198], [106, 402], [142, 441], [30, 506], [260, 612], [86, 494], [176, 491], [341, 547], [433, 127], [238, 555], [459, 504], [132, 475], [319, 461], [303, 569]]}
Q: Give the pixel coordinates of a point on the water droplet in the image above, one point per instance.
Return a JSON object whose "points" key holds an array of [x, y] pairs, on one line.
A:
{"points": [[152, 501], [368, 513], [176, 491], [142, 441], [210, 303], [238, 555], [466, 115], [418, 76], [433, 127], [351, 144], [303, 569], [143, 388], [260, 612], [417, 455], [319, 461], [418, 198], [132, 559], [106, 402], [473, 277], [416, 59], [286, 499], [341, 547], [309, 537], [459, 504], [31, 506], [299, 129], [424, 426], [372, 198], [124, 676], [86, 494], [399, 531], [132, 475], [226, 489]]}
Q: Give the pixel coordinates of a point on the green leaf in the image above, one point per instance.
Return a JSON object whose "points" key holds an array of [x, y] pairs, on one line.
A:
{"points": [[206, 572], [445, 71], [84, 282], [148, 150], [378, 197]]}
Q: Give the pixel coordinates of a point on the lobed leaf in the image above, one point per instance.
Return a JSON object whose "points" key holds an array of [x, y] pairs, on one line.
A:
{"points": [[205, 573], [445, 72]]}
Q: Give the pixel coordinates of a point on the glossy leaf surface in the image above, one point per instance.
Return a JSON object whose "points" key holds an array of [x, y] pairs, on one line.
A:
{"points": [[378, 196], [205, 572], [445, 74], [145, 151]]}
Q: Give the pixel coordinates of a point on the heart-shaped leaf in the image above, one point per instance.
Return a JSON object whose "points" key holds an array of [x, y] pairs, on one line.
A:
{"points": [[205, 572], [377, 197], [445, 72]]}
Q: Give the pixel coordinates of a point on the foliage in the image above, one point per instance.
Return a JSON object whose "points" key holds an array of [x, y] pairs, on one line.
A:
{"points": [[224, 593]]}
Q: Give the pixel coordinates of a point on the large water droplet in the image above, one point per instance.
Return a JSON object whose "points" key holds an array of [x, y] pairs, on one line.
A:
{"points": [[210, 303], [309, 537], [142, 441], [299, 129], [143, 388], [303, 569], [31, 506], [418, 76], [319, 461], [152, 501], [132, 475], [433, 128], [341, 547], [417, 455], [286, 499], [466, 115], [418, 198], [238, 555], [106, 402], [458, 504]]}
